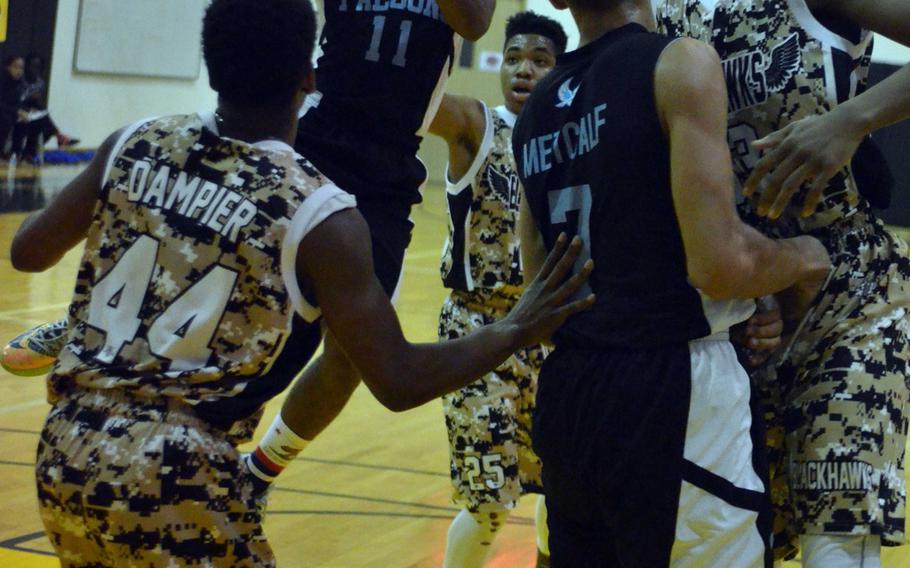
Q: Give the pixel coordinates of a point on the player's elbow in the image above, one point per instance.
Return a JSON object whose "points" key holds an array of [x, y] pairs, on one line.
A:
{"points": [[390, 392], [474, 21], [24, 259], [474, 28], [396, 400], [398, 405]]}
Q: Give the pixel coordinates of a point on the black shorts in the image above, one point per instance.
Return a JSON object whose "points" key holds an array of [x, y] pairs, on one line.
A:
{"points": [[385, 180], [386, 183], [648, 455]]}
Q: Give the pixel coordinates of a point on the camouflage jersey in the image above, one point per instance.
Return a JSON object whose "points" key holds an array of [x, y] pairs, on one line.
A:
{"points": [[780, 64], [187, 284], [835, 397], [481, 255]]}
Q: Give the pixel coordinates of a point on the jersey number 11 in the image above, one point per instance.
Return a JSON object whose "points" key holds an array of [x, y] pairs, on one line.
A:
{"points": [[404, 36]]}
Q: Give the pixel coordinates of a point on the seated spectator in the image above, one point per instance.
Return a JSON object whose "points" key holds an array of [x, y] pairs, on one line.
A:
{"points": [[12, 87], [38, 124]]}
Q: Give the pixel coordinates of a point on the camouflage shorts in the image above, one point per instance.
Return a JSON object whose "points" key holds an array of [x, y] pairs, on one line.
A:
{"points": [[127, 484], [489, 421], [837, 399]]}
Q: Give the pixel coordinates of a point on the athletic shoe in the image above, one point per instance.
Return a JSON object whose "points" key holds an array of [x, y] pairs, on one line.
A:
{"points": [[34, 352], [64, 141]]}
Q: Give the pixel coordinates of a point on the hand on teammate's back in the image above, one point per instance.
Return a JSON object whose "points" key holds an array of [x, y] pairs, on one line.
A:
{"points": [[811, 150], [546, 302]]}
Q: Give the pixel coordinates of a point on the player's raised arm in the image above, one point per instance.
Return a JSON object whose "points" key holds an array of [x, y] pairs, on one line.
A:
{"points": [[814, 149], [335, 263], [469, 18], [889, 101], [725, 257], [891, 18], [46, 235], [461, 122]]}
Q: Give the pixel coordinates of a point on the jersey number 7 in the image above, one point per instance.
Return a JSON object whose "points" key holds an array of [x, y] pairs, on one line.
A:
{"points": [[574, 204]]}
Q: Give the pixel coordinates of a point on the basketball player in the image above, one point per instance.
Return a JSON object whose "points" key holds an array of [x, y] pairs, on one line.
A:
{"points": [[838, 395], [489, 421], [381, 77], [643, 421], [204, 233]]}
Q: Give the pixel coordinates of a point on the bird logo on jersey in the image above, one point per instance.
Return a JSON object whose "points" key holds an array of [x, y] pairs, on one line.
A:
{"points": [[504, 184], [566, 94], [751, 77]]}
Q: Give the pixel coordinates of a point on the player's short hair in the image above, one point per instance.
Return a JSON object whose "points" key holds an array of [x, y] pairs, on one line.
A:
{"points": [[258, 51], [594, 4], [530, 23], [8, 60]]}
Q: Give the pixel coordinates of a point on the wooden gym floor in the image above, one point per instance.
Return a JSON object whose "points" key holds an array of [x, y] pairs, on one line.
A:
{"points": [[372, 491]]}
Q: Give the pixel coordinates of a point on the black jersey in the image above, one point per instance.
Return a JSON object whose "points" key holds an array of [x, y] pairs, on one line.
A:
{"points": [[383, 66], [381, 78], [595, 161]]}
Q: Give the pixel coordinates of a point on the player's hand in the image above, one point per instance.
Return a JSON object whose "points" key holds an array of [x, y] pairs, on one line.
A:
{"points": [[760, 335], [21, 115], [809, 151], [547, 300]]}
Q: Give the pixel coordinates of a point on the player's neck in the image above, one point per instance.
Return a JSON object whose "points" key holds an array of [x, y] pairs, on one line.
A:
{"points": [[256, 124], [593, 24]]}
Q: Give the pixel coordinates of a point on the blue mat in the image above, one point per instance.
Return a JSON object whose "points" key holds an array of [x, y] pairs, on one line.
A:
{"points": [[63, 157]]}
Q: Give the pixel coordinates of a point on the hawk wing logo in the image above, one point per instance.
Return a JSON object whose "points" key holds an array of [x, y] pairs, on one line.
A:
{"points": [[566, 94], [504, 185], [785, 62]]}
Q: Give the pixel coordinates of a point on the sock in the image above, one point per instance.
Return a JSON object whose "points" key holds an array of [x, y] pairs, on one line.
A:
{"points": [[275, 451], [836, 551], [470, 536], [543, 531]]}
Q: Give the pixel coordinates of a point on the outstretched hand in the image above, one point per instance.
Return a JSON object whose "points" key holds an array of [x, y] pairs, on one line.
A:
{"points": [[547, 300], [811, 150]]}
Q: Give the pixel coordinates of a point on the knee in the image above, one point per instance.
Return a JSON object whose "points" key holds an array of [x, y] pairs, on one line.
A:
{"points": [[336, 362], [490, 518]]}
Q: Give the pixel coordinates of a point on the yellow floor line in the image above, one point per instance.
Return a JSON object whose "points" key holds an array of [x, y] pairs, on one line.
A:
{"points": [[14, 558]]}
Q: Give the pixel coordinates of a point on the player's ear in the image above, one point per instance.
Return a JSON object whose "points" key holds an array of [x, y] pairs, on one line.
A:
{"points": [[559, 4], [308, 85]]}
